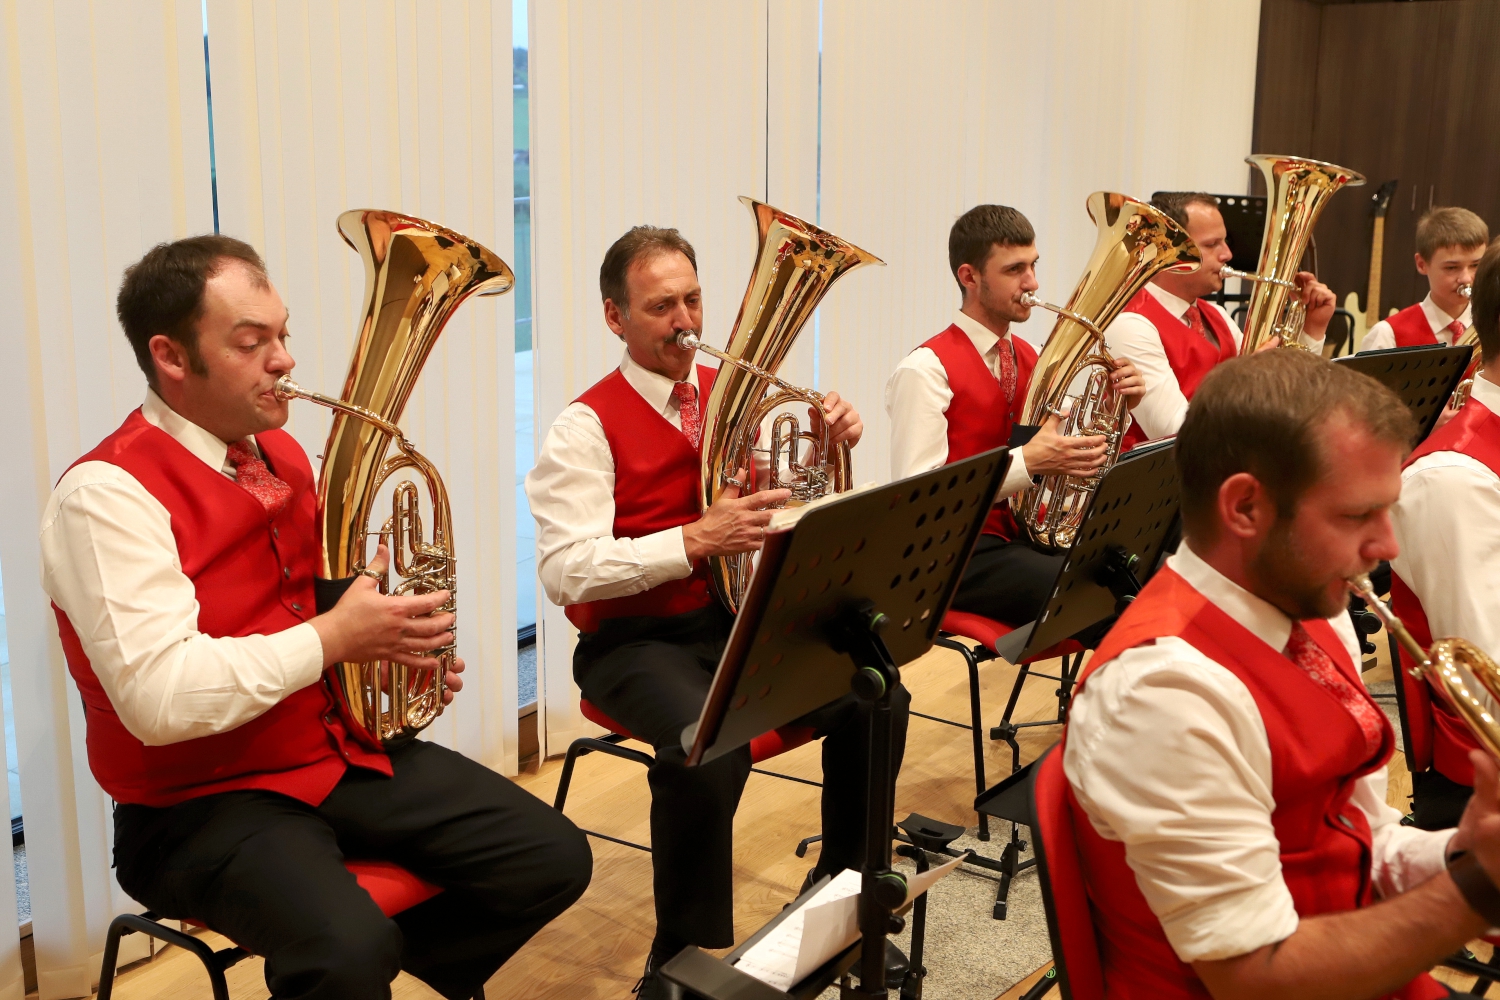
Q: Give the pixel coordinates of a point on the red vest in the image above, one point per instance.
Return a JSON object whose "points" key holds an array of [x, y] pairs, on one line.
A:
{"points": [[252, 577], [1474, 432], [1190, 355], [979, 418], [656, 488], [1411, 327], [1317, 754]]}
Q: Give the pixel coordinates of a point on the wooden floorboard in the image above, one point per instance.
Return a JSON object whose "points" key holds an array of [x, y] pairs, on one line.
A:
{"points": [[596, 949]]}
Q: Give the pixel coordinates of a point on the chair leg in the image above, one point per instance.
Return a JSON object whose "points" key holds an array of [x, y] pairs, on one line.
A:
{"points": [[604, 744], [1008, 730], [976, 723], [214, 962]]}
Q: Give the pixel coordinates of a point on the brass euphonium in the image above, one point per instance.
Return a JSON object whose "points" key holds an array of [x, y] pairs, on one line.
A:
{"points": [[1462, 673], [1469, 338], [1136, 242], [794, 267], [1297, 189], [416, 274]]}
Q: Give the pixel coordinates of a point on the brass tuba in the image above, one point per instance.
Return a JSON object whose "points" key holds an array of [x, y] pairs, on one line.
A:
{"points": [[416, 274], [1136, 242], [1462, 673], [1469, 338], [794, 267], [1296, 191]]}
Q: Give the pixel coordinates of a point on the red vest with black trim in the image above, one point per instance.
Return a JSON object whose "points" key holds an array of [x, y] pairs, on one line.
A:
{"points": [[1189, 354], [1411, 327], [656, 488], [251, 576], [979, 416], [1317, 755], [1475, 432]]}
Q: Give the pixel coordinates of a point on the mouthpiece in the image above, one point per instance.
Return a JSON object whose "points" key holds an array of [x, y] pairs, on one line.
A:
{"points": [[1227, 272], [1467, 291], [285, 388], [688, 340]]}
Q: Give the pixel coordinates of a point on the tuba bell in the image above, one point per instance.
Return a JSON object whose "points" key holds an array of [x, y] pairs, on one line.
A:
{"points": [[1136, 242], [416, 274], [1461, 673], [1297, 189], [795, 265]]}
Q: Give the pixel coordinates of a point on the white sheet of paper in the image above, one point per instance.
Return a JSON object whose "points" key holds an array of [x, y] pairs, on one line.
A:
{"points": [[821, 928]]}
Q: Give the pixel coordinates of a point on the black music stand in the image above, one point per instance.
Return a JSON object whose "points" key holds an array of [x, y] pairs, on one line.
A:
{"points": [[855, 589], [1424, 377]]}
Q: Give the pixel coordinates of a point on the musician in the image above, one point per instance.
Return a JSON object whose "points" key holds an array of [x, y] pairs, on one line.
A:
{"points": [[1175, 336], [1227, 768], [1450, 242], [1448, 524], [623, 547], [179, 554], [963, 392]]}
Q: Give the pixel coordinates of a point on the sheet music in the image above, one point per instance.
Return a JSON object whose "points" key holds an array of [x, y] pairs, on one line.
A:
{"points": [[819, 929]]}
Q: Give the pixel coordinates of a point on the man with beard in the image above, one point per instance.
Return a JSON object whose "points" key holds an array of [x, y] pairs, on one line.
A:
{"points": [[1226, 766], [962, 392]]}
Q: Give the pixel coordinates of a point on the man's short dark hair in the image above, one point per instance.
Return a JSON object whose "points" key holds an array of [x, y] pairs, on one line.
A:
{"points": [[1174, 204], [640, 242], [978, 231], [162, 293], [1485, 303], [1260, 414]]}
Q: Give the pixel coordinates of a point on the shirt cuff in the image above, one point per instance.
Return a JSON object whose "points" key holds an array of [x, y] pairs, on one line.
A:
{"points": [[663, 557], [1017, 477], [299, 650]]}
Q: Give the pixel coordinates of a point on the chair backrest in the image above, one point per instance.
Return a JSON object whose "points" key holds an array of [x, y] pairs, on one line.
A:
{"points": [[1414, 709], [1070, 922]]}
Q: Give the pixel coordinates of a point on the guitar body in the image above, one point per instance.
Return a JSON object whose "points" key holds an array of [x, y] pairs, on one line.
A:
{"points": [[1370, 314]]}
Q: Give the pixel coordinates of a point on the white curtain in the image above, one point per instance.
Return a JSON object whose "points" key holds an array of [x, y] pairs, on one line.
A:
{"points": [[105, 153], [652, 112], [930, 110], [321, 107]]}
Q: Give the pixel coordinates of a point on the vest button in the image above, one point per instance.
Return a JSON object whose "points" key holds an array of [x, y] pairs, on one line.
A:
{"points": [[1346, 821], [286, 571], [275, 533], [296, 606]]}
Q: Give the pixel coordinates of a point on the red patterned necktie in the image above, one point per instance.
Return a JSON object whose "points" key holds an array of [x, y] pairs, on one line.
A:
{"points": [[686, 394], [1195, 320], [1007, 368], [1457, 328], [1305, 652], [257, 480]]}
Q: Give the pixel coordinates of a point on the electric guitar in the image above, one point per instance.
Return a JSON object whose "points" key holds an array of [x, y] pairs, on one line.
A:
{"points": [[1367, 317]]}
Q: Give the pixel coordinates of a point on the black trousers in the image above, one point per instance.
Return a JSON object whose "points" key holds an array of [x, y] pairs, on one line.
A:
{"points": [[1007, 581], [1437, 800], [266, 871], [651, 675]]}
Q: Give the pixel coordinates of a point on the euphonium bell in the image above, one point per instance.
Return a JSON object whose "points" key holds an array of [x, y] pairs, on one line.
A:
{"points": [[1462, 673], [1136, 242], [1297, 189], [416, 274], [794, 267]]}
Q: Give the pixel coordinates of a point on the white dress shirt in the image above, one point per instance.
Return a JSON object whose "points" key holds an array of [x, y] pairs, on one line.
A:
{"points": [[917, 397], [1448, 527], [110, 562], [1161, 411], [572, 494], [1381, 336], [1167, 753]]}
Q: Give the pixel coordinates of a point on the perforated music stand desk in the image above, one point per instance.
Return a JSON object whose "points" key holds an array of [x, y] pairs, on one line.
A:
{"points": [[839, 601], [1115, 549], [1424, 377]]}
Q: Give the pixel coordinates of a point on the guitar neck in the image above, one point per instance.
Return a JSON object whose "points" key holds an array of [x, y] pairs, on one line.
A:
{"points": [[1377, 259]]}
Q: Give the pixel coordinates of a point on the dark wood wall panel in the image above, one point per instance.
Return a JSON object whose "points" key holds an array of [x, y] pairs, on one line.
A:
{"points": [[1409, 91]]}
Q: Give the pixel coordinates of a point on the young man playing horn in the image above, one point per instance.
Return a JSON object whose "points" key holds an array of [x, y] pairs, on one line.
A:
{"points": [[1444, 581], [1175, 336], [1450, 242], [180, 555], [623, 547], [963, 391], [1226, 767]]}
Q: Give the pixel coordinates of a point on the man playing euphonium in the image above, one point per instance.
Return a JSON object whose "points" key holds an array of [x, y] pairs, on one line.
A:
{"points": [[1445, 581], [180, 554], [1227, 768], [623, 547]]}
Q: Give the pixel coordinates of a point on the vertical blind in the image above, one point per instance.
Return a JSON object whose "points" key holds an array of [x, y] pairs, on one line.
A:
{"points": [[105, 154]]}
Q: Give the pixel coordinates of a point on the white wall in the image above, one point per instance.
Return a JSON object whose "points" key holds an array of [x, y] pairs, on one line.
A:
{"points": [[321, 107], [104, 153]]}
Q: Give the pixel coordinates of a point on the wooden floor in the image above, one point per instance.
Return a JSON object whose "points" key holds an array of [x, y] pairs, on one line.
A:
{"points": [[597, 948]]}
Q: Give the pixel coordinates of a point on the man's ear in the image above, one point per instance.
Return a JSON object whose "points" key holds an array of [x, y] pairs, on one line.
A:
{"points": [[170, 357], [1421, 263], [614, 318], [1245, 509]]}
